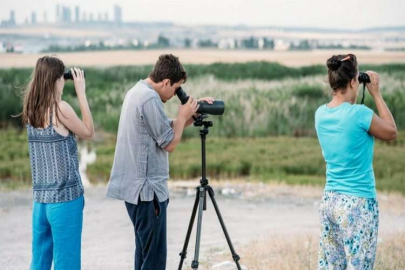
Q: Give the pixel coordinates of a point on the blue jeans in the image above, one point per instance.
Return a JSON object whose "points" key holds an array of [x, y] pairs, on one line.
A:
{"points": [[149, 220], [56, 235]]}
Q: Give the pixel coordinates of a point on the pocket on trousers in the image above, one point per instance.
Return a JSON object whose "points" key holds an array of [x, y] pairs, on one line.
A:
{"points": [[156, 207]]}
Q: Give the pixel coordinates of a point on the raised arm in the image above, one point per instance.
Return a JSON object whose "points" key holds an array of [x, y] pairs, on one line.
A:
{"points": [[82, 128], [186, 111], [382, 127]]}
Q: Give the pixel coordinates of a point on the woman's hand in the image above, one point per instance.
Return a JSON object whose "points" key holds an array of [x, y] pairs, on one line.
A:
{"points": [[82, 128], [374, 85], [382, 127], [79, 81]]}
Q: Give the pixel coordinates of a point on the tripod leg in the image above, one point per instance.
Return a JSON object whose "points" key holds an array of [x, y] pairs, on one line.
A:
{"points": [[235, 256], [183, 253], [194, 264]]}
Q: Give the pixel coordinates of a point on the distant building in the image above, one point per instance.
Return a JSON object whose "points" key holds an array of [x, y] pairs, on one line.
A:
{"points": [[227, 43], [58, 16], [2, 47], [12, 17], [66, 14], [33, 18], [281, 45], [77, 14], [45, 17], [117, 14], [10, 21]]}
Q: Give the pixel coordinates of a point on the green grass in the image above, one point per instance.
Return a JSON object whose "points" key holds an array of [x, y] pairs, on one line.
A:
{"points": [[267, 132], [262, 98], [282, 159]]}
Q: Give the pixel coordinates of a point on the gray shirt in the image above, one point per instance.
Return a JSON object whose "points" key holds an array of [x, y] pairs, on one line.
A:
{"points": [[141, 165]]}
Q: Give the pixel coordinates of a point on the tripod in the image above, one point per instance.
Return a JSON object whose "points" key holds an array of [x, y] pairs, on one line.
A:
{"points": [[201, 204]]}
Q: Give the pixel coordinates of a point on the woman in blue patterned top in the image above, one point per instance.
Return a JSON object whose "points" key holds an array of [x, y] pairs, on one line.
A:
{"points": [[57, 187], [349, 210]]}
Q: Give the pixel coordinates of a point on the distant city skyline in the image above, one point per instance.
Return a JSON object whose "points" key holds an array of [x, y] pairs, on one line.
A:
{"points": [[341, 14]]}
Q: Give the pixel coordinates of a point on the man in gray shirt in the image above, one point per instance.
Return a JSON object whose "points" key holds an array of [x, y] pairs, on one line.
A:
{"points": [[141, 167]]}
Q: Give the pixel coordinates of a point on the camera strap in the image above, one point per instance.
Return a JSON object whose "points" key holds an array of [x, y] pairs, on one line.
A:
{"points": [[364, 93]]}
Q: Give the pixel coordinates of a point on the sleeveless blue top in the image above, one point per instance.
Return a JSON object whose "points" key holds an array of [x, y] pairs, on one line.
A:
{"points": [[54, 165]]}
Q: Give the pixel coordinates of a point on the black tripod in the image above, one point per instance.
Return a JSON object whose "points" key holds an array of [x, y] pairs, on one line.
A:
{"points": [[201, 203]]}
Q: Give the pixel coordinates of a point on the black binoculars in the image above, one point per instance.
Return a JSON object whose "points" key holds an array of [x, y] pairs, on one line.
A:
{"points": [[69, 76]]}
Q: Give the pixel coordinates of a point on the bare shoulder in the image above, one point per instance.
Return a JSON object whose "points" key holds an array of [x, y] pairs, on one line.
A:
{"points": [[66, 111], [64, 106]]}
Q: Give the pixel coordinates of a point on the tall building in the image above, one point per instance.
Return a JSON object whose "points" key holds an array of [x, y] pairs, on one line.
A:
{"points": [[58, 16], [77, 14], [33, 18], [117, 14], [12, 18], [45, 14], [10, 21], [66, 14]]}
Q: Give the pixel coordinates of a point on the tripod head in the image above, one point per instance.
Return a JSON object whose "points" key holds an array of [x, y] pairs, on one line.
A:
{"points": [[199, 122]]}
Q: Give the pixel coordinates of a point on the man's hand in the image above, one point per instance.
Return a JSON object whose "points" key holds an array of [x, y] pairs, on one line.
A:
{"points": [[209, 100], [187, 110]]}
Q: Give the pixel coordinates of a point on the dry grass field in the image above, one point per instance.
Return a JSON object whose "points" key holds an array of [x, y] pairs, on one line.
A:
{"points": [[142, 57], [300, 251]]}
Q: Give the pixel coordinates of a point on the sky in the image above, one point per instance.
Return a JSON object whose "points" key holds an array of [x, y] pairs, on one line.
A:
{"points": [[337, 14]]}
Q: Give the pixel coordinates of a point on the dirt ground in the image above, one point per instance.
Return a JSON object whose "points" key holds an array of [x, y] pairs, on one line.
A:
{"points": [[113, 58], [252, 211]]}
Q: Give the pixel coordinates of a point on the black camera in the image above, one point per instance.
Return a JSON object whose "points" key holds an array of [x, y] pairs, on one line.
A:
{"points": [[364, 78], [217, 108], [69, 76]]}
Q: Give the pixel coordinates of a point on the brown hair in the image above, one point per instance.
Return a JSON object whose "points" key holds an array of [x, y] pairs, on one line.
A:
{"points": [[341, 70], [40, 94], [169, 67]]}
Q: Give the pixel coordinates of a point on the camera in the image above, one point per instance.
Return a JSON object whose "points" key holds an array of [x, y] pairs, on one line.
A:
{"points": [[364, 78], [217, 108], [69, 76]]}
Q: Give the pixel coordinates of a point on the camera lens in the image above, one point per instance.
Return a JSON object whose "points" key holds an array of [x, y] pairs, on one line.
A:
{"points": [[217, 108]]}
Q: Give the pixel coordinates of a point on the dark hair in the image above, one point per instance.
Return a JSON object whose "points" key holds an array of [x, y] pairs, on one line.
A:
{"points": [[341, 70], [40, 94], [168, 67]]}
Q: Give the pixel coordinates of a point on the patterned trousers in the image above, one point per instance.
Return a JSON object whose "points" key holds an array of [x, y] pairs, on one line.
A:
{"points": [[349, 229]]}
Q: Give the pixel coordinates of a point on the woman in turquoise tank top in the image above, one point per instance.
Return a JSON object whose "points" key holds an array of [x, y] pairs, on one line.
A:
{"points": [[349, 212], [52, 125]]}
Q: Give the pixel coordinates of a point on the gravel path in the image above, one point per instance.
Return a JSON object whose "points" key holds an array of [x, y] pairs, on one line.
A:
{"points": [[250, 212]]}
